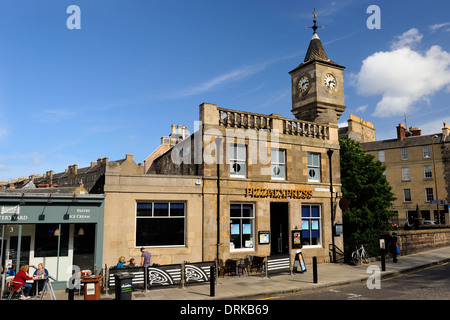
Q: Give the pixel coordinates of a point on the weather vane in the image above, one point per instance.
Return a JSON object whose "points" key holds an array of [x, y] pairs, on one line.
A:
{"points": [[314, 27]]}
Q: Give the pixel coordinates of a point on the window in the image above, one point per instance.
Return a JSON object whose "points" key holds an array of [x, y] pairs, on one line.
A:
{"points": [[46, 240], [278, 168], [427, 172], [381, 155], [242, 220], [405, 174], [404, 154], [426, 151], [429, 194], [311, 225], [160, 224], [313, 166], [407, 195], [238, 160]]}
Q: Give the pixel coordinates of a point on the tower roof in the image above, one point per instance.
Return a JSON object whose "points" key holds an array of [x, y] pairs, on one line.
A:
{"points": [[315, 49], [316, 52]]}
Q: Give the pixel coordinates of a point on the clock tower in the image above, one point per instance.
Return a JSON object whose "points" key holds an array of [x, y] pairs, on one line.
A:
{"points": [[317, 85]]}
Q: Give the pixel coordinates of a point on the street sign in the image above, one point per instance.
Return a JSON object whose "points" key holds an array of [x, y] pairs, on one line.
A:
{"points": [[437, 201]]}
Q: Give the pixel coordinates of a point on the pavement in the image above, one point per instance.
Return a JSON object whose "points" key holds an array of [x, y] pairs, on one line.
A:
{"points": [[258, 286]]}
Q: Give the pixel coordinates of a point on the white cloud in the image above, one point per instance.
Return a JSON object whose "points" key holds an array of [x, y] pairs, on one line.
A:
{"points": [[435, 27], [434, 126], [403, 76], [407, 39], [362, 108]]}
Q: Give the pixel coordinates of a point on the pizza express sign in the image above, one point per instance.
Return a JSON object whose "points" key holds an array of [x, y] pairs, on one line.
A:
{"points": [[278, 193]]}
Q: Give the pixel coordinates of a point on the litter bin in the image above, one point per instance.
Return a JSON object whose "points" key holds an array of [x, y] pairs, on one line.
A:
{"points": [[92, 287], [123, 285]]}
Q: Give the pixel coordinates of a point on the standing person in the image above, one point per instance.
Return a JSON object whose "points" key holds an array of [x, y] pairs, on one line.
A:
{"points": [[145, 258], [20, 280], [41, 273]]}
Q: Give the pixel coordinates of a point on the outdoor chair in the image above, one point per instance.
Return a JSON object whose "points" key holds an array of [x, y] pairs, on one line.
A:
{"points": [[230, 267], [244, 265], [18, 290], [257, 263]]}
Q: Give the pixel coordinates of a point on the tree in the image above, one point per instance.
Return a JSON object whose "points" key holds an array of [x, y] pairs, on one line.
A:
{"points": [[369, 195]]}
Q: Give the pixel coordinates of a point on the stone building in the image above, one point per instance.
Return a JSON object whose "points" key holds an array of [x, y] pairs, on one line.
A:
{"points": [[418, 170], [242, 184]]}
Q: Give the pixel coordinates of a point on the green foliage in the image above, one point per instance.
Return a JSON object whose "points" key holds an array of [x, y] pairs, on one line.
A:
{"points": [[369, 195]]}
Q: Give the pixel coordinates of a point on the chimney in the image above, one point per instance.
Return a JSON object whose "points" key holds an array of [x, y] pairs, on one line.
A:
{"points": [[173, 130], [401, 132], [445, 131], [415, 131], [184, 132], [179, 129]]}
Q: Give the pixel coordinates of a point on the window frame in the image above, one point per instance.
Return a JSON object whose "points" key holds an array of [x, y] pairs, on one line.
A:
{"points": [[429, 194], [404, 153], [278, 163], [159, 216], [405, 193], [313, 166], [405, 174], [426, 152], [234, 150], [310, 224], [241, 218], [427, 174]]}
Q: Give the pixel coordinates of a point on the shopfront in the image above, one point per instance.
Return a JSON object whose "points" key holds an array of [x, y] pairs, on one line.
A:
{"points": [[62, 231]]}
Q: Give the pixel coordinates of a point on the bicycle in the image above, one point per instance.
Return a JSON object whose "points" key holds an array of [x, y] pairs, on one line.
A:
{"points": [[360, 256]]}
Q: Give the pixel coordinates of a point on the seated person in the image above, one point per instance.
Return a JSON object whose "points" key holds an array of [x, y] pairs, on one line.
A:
{"points": [[20, 280], [41, 273]]}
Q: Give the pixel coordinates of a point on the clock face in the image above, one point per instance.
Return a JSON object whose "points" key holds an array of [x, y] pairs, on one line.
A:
{"points": [[303, 84], [329, 81]]}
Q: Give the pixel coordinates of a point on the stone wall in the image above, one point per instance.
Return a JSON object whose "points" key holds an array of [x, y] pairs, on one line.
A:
{"points": [[414, 241]]}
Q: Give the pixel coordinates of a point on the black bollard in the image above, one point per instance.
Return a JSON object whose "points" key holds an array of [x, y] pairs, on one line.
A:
{"points": [[315, 280], [383, 260], [212, 281], [71, 294]]}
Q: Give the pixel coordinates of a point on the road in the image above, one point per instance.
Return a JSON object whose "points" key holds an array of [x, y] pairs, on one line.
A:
{"points": [[431, 283]]}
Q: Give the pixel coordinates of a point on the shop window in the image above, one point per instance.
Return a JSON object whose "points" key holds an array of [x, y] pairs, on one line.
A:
{"points": [[242, 220], [278, 168], [238, 156], [46, 240], [311, 225], [313, 166], [160, 224]]}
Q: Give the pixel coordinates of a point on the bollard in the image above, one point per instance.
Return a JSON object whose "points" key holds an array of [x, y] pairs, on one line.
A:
{"points": [[71, 294], [383, 261], [315, 280], [212, 281]]}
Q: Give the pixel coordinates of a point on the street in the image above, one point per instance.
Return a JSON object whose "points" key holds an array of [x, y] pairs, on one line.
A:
{"points": [[431, 283]]}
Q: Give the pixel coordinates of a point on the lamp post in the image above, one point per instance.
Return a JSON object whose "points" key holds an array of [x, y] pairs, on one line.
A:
{"points": [[218, 142], [435, 178], [330, 153]]}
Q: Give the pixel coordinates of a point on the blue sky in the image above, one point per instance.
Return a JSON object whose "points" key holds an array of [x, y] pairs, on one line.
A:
{"points": [[136, 67]]}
